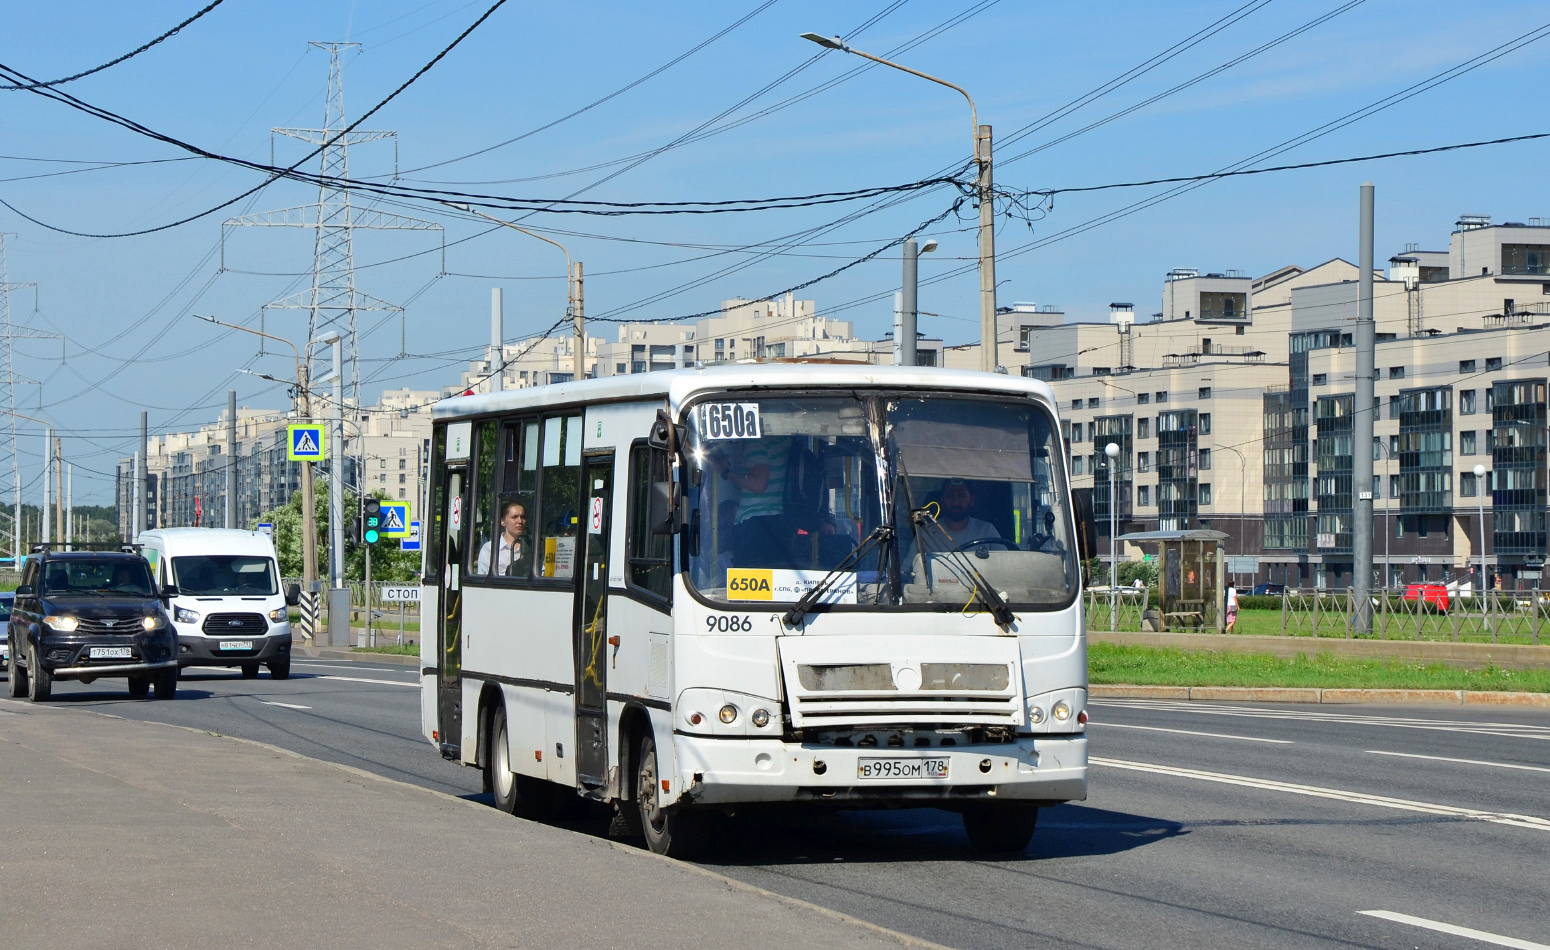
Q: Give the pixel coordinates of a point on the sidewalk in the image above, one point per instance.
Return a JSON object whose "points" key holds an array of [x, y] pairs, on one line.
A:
{"points": [[128, 834]]}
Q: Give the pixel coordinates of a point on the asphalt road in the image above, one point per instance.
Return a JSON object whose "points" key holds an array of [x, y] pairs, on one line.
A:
{"points": [[1208, 825]]}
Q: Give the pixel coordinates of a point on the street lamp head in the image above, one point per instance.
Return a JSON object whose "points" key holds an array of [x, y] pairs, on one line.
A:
{"points": [[1479, 471], [329, 338], [929, 246], [1111, 450], [824, 41]]}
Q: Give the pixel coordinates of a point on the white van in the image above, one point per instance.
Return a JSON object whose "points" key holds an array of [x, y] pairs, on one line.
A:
{"points": [[225, 599]]}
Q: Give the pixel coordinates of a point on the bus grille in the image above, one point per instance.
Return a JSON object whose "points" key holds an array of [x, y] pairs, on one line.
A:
{"points": [[810, 710]]}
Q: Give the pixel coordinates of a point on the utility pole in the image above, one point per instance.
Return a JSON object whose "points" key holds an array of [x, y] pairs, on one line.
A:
{"points": [[989, 345], [497, 344], [336, 466], [134, 507], [1366, 410], [48, 457], [579, 320], [59, 490], [70, 505], [231, 458], [905, 345], [142, 476]]}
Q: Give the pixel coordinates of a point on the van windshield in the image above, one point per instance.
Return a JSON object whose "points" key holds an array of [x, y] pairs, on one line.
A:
{"points": [[913, 499], [225, 575]]}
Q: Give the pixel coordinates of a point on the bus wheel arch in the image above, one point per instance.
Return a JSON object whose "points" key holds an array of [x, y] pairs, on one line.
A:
{"points": [[634, 723], [490, 697]]}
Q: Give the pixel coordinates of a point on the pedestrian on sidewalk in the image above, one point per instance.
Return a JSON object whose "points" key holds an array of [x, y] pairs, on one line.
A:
{"points": [[1232, 606]]}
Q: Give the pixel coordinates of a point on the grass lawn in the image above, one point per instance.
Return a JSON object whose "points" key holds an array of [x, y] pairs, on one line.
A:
{"points": [[1149, 666], [410, 649]]}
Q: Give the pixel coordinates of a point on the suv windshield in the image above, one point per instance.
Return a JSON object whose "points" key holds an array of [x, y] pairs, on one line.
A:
{"points": [[217, 575], [106, 576], [783, 488]]}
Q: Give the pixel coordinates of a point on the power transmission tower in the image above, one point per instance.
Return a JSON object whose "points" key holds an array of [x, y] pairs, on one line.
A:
{"points": [[9, 334], [333, 300]]}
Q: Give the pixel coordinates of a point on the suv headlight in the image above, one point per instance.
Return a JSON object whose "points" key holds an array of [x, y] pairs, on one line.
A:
{"points": [[150, 622], [184, 615], [279, 615], [61, 624]]}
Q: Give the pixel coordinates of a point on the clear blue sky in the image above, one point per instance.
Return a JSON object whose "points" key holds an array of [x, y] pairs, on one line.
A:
{"points": [[246, 67]]}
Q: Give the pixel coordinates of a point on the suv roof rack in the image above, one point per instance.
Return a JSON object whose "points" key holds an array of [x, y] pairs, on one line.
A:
{"points": [[65, 547]]}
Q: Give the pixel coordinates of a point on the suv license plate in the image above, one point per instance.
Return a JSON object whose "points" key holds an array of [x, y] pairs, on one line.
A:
{"points": [[236, 644], [110, 653], [901, 768]]}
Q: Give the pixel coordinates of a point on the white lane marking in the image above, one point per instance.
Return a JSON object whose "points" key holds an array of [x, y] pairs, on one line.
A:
{"points": [[360, 679], [1483, 936], [1360, 798], [1438, 758], [1503, 729], [285, 705], [1187, 732]]}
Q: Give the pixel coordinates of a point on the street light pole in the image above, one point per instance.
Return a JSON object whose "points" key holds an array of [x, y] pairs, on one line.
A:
{"points": [[1112, 451], [984, 194], [1480, 498], [573, 302]]}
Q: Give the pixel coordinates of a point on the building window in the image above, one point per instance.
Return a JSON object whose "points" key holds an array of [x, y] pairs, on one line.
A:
{"points": [[1526, 258], [1205, 423], [1076, 465], [1320, 379], [1102, 371], [403, 463], [1466, 443], [383, 462], [1223, 306], [1144, 428], [1205, 392], [1466, 366], [1467, 484], [1143, 398], [1162, 396], [1076, 404], [1143, 462], [401, 494], [1396, 372], [1144, 495], [1076, 432], [1492, 363], [1205, 493], [1092, 403], [1205, 459], [1466, 402], [620, 369]]}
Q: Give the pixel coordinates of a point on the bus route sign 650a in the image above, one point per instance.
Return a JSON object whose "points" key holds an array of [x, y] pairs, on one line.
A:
{"points": [[396, 595]]}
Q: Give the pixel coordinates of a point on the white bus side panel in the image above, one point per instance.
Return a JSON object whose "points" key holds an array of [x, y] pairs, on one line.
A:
{"points": [[430, 658], [523, 634]]}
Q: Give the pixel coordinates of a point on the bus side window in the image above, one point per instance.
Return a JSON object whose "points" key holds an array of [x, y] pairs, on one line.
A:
{"points": [[559, 498], [650, 556], [515, 513], [484, 525], [436, 515]]}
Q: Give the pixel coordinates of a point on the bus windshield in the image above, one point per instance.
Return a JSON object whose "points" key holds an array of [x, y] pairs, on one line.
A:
{"points": [[916, 499]]}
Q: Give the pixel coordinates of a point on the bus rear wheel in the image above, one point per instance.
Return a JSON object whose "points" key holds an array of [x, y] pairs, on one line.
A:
{"points": [[677, 833], [1000, 828], [519, 795]]}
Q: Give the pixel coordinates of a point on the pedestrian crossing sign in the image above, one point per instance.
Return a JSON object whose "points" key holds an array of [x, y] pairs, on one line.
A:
{"points": [[395, 519], [306, 442]]}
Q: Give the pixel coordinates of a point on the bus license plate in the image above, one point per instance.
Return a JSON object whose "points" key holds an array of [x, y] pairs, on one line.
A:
{"points": [[236, 644], [110, 653], [901, 768]]}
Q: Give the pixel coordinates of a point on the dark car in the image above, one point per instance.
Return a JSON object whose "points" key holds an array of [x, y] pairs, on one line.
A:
{"points": [[7, 598], [82, 615], [1271, 590]]}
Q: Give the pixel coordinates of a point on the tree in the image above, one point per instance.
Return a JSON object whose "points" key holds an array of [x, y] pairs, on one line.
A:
{"points": [[388, 561]]}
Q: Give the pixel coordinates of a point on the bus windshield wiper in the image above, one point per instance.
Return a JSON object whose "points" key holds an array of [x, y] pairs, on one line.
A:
{"points": [[881, 534], [991, 597]]}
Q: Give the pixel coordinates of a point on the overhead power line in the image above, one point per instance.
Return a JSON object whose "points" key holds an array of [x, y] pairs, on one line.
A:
{"points": [[114, 62]]}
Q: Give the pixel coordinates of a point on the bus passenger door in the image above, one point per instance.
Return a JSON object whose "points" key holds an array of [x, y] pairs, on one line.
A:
{"points": [[592, 648], [450, 618]]}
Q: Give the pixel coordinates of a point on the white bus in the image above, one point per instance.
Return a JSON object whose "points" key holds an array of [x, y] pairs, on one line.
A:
{"points": [[692, 591]]}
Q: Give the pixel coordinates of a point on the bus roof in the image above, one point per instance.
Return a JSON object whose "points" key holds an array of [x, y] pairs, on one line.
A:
{"points": [[677, 386]]}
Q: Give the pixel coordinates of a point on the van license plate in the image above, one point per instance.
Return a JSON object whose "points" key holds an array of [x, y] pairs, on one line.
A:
{"points": [[110, 653], [901, 768], [236, 644]]}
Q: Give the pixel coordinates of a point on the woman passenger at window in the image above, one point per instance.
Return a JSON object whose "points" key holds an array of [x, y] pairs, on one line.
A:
{"points": [[512, 554]]}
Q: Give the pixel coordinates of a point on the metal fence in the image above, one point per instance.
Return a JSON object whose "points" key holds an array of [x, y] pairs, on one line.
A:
{"points": [[1494, 617]]}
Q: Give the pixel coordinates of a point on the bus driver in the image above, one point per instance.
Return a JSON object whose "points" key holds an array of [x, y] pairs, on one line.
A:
{"points": [[957, 500], [512, 557]]}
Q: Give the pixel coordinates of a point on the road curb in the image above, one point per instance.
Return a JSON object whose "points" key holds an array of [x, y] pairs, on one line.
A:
{"points": [[1318, 696], [328, 653]]}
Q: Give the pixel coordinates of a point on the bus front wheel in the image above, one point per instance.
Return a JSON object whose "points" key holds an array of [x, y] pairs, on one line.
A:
{"points": [[677, 833], [514, 794], [1000, 828]]}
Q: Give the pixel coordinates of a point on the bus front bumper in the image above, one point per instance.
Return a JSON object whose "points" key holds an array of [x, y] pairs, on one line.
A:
{"points": [[1046, 769]]}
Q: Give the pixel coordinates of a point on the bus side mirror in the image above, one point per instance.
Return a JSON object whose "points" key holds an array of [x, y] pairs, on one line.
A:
{"points": [[293, 595], [663, 435], [665, 507], [1086, 523]]}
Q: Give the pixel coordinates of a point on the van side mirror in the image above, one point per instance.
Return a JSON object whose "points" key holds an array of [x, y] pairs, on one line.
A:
{"points": [[1086, 523], [24, 590], [169, 591], [293, 595], [664, 509]]}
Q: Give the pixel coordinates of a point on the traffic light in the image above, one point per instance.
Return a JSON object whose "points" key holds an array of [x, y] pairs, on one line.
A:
{"points": [[371, 521]]}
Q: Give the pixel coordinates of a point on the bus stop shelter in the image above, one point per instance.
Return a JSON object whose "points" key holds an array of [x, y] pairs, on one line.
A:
{"points": [[1189, 577]]}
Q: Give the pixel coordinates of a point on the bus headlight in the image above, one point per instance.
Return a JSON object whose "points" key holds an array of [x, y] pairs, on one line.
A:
{"points": [[728, 714], [760, 718], [1062, 711], [1035, 714], [61, 624]]}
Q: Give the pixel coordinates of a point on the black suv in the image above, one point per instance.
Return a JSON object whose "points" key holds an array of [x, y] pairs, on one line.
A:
{"points": [[84, 614]]}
